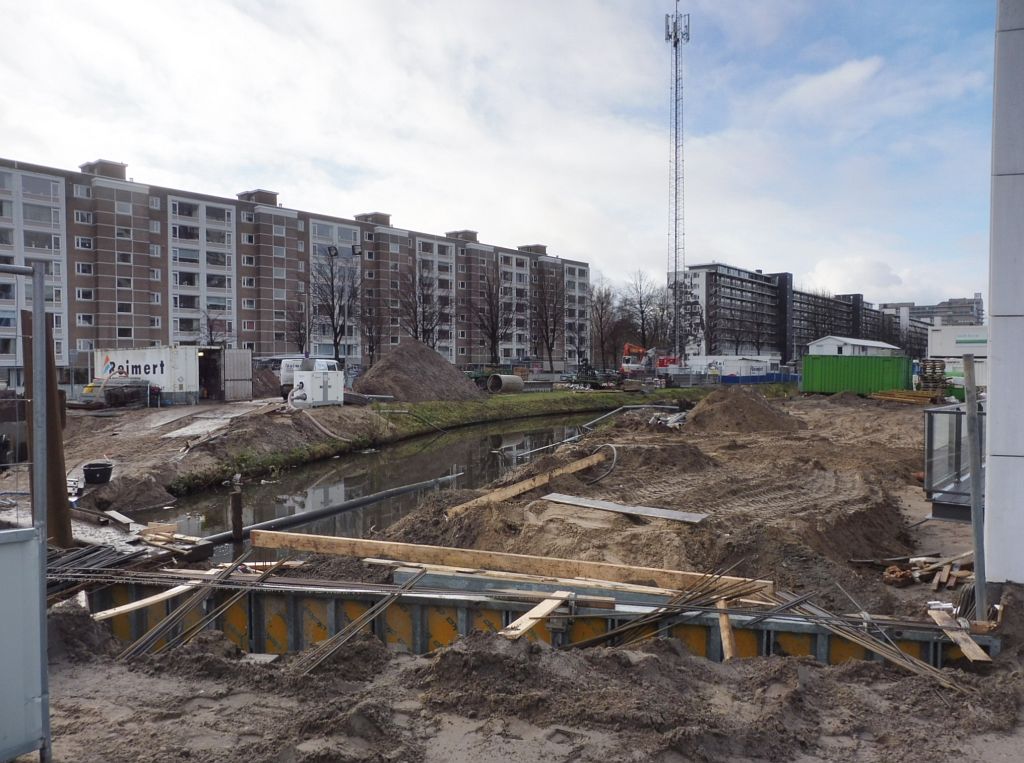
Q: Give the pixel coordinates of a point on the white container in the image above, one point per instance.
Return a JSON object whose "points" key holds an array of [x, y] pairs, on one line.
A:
{"points": [[314, 388]]}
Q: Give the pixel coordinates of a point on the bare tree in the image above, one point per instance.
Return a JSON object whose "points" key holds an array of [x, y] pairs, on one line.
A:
{"points": [[299, 326], [420, 312], [548, 310], [494, 309], [759, 331], [603, 316], [734, 330], [640, 303], [215, 328], [335, 286], [661, 317], [373, 324]]}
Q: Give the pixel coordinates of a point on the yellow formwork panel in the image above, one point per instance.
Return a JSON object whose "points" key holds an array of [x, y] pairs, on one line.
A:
{"points": [[793, 644], [275, 624], [353, 610], [442, 626], [122, 624], [694, 637], [236, 623], [193, 617], [539, 632], [951, 652], [913, 648], [314, 617], [398, 630], [841, 650], [487, 620], [583, 628], [748, 642]]}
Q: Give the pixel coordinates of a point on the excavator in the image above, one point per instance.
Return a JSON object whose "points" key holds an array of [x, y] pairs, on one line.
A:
{"points": [[637, 360]]}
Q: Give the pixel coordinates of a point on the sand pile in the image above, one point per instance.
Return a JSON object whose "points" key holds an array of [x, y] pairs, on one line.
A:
{"points": [[265, 383], [412, 372], [735, 409]]}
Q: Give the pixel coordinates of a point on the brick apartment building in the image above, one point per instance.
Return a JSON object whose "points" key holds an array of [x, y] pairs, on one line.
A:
{"points": [[734, 311], [135, 265]]}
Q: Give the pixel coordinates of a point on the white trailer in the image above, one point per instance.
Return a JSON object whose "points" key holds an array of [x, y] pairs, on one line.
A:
{"points": [[183, 374]]}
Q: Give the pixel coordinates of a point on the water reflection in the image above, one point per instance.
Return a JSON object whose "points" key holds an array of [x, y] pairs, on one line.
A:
{"points": [[483, 453]]}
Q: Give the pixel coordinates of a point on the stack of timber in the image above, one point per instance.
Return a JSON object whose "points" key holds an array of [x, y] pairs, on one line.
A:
{"points": [[165, 535], [941, 573], [912, 397], [933, 375]]}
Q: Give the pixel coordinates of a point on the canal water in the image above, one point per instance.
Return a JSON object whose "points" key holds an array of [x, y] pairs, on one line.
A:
{"points": [[483, 453]]}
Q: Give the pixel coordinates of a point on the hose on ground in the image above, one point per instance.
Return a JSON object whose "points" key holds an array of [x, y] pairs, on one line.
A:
{"points": [[615, 460]]}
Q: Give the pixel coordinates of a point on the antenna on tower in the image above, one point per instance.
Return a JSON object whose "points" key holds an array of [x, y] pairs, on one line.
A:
{"points": [[677, 33]]}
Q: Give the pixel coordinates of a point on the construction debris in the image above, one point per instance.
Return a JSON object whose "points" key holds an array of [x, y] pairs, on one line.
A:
{"points": [[911, 397], [638, 511]]}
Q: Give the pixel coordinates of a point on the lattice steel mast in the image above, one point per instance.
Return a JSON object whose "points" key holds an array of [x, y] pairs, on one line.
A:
{"points": [[677, 34]]}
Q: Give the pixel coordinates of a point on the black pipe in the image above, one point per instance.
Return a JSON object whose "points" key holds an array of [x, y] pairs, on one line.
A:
{"points": [[294, 520]]}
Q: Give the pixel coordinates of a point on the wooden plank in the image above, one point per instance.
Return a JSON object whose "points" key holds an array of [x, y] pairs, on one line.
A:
{"points": [[725, 627], [518, 488], [170, 593], [941, 577], [958, 636], [620, 508], [160, 528], [951, 578], [518, 628], [491, 560]]}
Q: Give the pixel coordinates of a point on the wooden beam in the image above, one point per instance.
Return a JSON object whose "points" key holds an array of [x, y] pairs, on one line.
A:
{"points": [[958, 636], [520, 627], [725, 627], [170, 593], [620, 508], [489, 560], [518, 488]]}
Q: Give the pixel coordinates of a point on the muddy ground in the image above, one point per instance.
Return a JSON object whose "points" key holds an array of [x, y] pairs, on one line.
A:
{"points": [[793, 491]]}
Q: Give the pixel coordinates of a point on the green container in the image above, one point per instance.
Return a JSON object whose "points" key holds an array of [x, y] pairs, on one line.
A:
{"points": [[835, 373]]}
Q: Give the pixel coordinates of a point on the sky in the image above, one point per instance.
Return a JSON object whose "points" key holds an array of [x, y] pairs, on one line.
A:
{"points": [[847, 143]]}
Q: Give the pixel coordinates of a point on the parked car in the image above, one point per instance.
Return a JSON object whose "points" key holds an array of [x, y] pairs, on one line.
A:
{"points": [[290, 365], [119, 390]]}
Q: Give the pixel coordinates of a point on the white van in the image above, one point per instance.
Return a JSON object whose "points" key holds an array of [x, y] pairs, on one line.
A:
{"points": [[290, 365]]}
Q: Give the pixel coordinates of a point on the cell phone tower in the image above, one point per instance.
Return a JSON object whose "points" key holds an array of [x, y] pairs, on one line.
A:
{"points": [[677, 33]]}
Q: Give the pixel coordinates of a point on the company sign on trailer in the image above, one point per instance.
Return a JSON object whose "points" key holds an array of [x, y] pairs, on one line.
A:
{"points": [[175, 370]]}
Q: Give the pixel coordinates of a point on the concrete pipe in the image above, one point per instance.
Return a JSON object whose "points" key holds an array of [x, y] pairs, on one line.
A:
{"points": [[504, 383]]}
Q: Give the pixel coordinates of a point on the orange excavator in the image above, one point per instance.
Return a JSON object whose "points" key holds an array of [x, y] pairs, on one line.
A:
{"points": [[640, 360]]}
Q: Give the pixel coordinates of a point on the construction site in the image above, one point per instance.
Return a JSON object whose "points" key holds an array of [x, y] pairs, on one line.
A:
{"points": [[718, 561]]}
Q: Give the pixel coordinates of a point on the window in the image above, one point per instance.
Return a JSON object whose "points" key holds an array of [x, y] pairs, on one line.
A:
{"points": [[462, 335], [84, 319], [84, 268], [394, 340], [248, 325], [278, 336], [248, 304], [248, 217], [217, 281], [125, 332], [124, 283], [185, 255], [83, 242], [154, 202], [279, 294], [154, 226], [301, 224], [426, 246], [370, 255], [249, 260], [123, 233], [155, 321], [186, 278], [85, 295], [301, 246], [154, 274], [185, 232], [248, 238], [124, 258], [83, 217], [279, 273], [278, 230], [279, 251], [279, 315], [370, 274], [154, 250], [462, 284], [124, 307], [249, 282], [123, 207], [37, 240], [394, 284], [7, 319], [154, 298], [218, 259], [82, 191], [218, 215], [84, 345], [218, 237], [367, 236]]}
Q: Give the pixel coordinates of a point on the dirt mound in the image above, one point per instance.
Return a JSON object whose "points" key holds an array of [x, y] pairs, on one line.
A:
{"points": [[412, 372], [320, 567], [265, 383], [72, 635], [128, 493], [845, 397], [735, 409]]}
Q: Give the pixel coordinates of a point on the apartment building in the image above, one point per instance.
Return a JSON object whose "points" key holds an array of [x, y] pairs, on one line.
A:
{"points": [[133, 265], [961, 311], [735, 311]]}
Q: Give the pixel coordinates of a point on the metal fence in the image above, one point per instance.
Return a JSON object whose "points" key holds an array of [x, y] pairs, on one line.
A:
{"points": [[947, 472]]}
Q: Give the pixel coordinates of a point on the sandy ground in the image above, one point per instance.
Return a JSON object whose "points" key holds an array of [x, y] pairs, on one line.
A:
{"points": [[791, 498]]}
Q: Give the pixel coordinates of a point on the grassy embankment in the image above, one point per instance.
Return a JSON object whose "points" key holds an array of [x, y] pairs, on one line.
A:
{"points": [[429, 417]]}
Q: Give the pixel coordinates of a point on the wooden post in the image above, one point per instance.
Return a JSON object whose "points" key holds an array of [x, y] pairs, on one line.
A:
{"points": [[236, 516], [58, 515], [725, 627]]}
